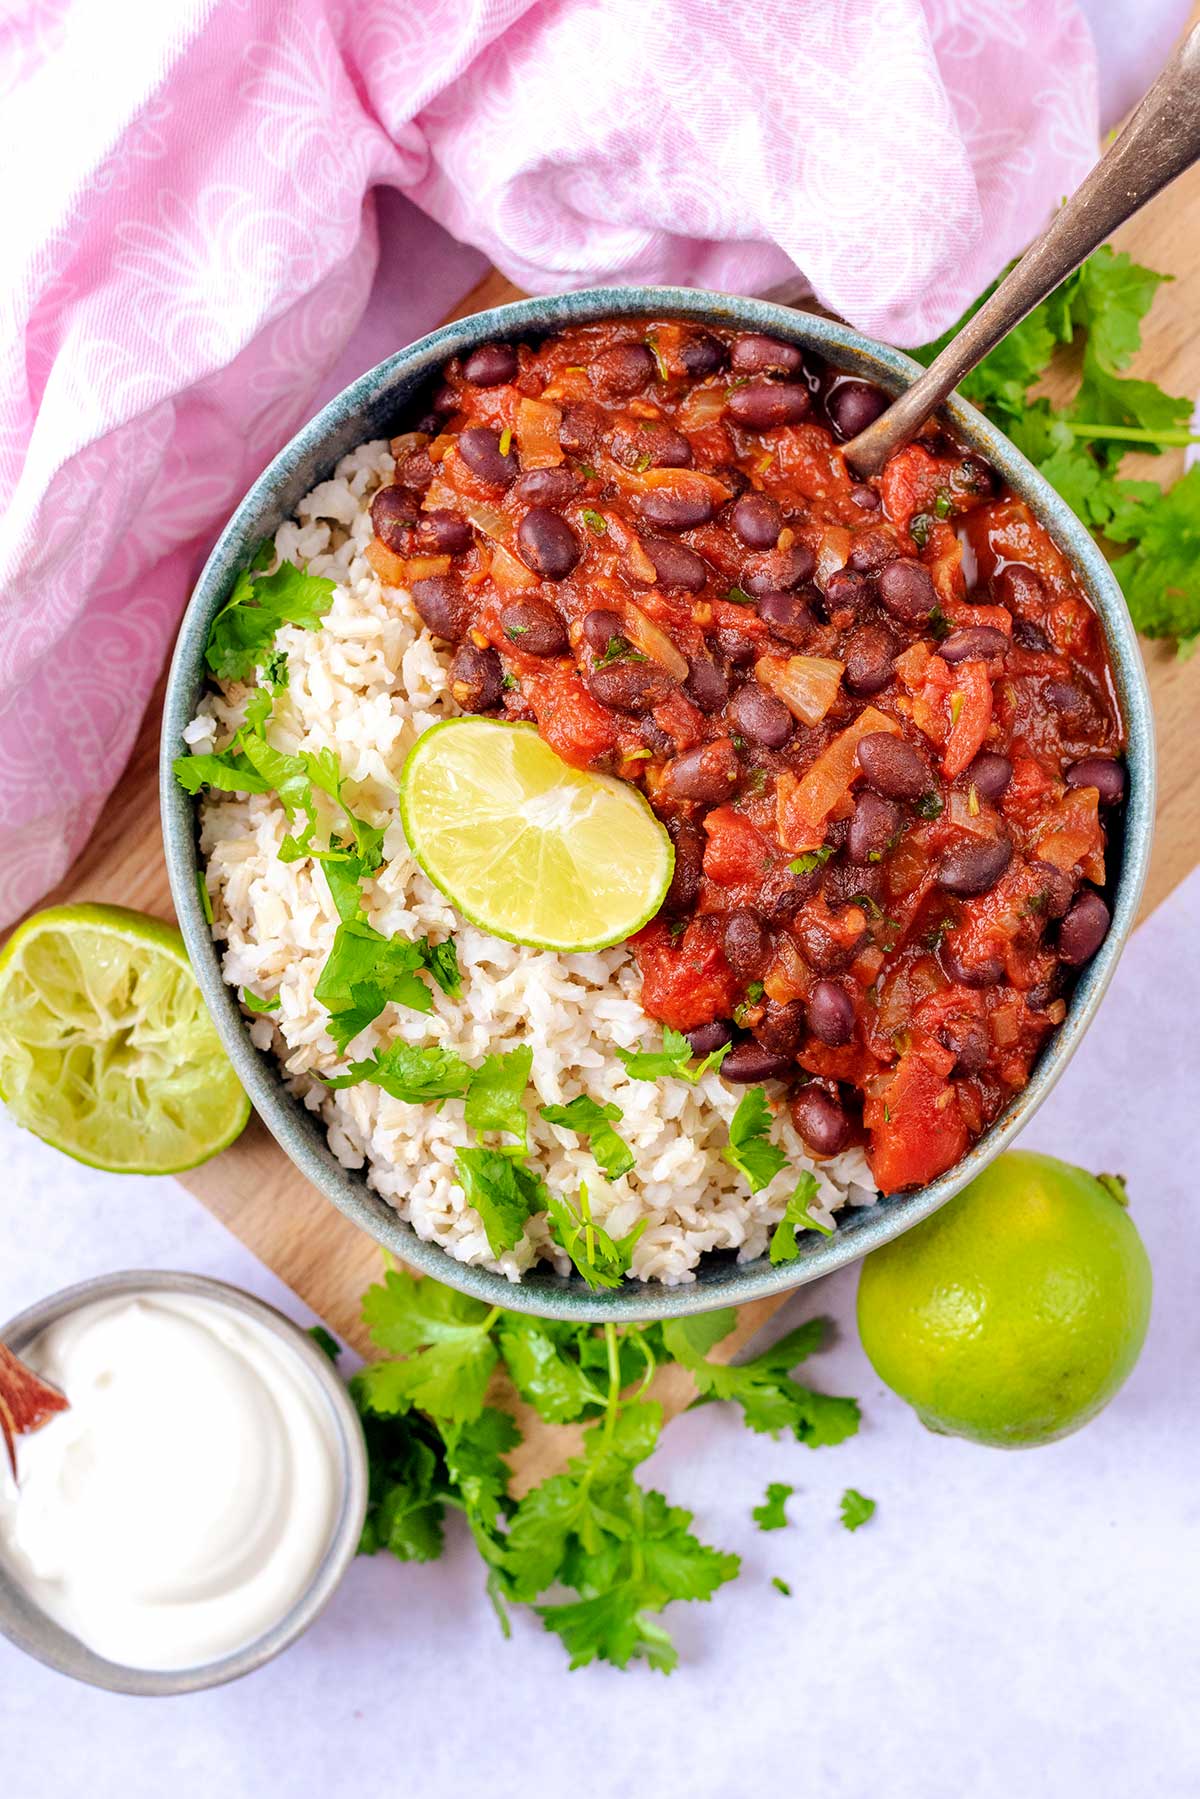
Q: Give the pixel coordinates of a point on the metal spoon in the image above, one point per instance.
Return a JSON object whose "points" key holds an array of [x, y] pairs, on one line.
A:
{"points": [[1161, 140]]}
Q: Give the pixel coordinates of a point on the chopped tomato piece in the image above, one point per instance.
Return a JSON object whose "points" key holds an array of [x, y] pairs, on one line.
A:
{"points": [[964, 612], [910, 484], [736, 850], [689, 983], [916, 1125], [570, 719], [970, 716]]}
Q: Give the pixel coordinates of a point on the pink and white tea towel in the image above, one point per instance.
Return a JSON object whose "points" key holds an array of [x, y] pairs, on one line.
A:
{"points": [[192, 233]]}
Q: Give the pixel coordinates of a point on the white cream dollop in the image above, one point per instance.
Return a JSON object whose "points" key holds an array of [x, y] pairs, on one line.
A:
{"points": [[183, 1503]]}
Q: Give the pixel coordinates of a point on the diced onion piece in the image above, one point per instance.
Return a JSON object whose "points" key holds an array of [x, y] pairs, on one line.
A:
{"points": [[537, 434], [959, 813], [420, 568], [645, 636], [391, 569], [637, 563], [807, 685], [688, 482], [510, 574], [494, 524], [832, 552], [703, 406]]}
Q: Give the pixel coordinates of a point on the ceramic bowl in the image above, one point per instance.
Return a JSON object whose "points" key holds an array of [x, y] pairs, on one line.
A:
{"points": [[373, 406], [26, 1625]]}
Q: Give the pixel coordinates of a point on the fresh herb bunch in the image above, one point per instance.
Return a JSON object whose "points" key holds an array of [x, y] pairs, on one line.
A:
{"points": [[1079, 447], [595, 1553]]}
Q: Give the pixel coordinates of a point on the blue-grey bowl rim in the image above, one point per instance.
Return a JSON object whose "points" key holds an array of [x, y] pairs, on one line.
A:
{"points": [[27, 1626], [361, 411]]}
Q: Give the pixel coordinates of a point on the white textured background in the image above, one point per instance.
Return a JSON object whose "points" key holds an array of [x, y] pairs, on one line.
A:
{"points": [[1008, 1625]]}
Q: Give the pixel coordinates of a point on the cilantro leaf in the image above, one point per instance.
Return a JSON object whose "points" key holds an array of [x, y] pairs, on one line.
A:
{"points": [[474, 1464], [603, 1261], [674, 1058], [252, 1002], [591, 1119], [613, 1626], [415, 1074], [770, 1400], [855, 1509], [781, 1586], [797, 1217], [1160, 575], [496, 1096], [229, 771], [444, 1336], [363, 972], [503, 1191], [748, 1149], [770, 1515], [441, 959], [406, 1492], [542, 1355], [243, 631], [325, 1341]]}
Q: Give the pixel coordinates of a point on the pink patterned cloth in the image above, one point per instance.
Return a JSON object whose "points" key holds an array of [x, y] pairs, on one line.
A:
{"points": [[192, 230]]}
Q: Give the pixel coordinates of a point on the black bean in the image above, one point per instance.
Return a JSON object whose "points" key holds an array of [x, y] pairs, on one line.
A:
{"points": [[846, 590], [676, 565], [582, 428], [1055, 886], [1017, 587], [761, 716], [443, 606], [1102, 773], [701, 355], [393, 514], [781, 1028], [534, 627], [907, 590], [778, 569], [430, 423], [448, 532], [821, 1120], [659, 741], [874, 823], [689, 840], [629, 686], [782, 893], [866, 497], [747, 944], [1066, 698], [737, 647], [749, 1062], [548, 486], [1084, 929], [825, 952], [491, 365], [831, 1014], [646, 443], [848, 884], [547, 544], [707, 1037], [870, 551], [414, 469], [757, 520], [1031, 636], [990, 773], [669, 509], [893, 767], [476, 678], [868, 657], [755, 354], [1044, 993], [444, 400], [479, 447], [761, 405], [600, 627], [621, 372], [788, 615], [707, 685], [974, 866], [734, 478], [977, 643], [986, 972], [709, 773], [852, 406], [967, 1042]]}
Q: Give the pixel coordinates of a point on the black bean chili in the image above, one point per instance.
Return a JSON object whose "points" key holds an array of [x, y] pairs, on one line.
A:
{"points": [[877, 719]]}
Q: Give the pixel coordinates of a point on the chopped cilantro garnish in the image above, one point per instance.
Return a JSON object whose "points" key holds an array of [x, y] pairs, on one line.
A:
{"points": [[674, 1058], [595, 1121], [586, 469], [325, 1341], [243, 631], [252, 1002], [797, 1216], [749, 1149], [943, 505], [503, 1191], [363, 973], [939, 625], [856, 1508], [418, 1075], [205, 896], [643, 462], [595, 521], [781, 1586], [508, 681], [664, 374], [441, 959], [275, 672], [931, 804], [918, 529], [812, 860], [496, 1098], [739, 597], [770, 1515], [619, 650], [603, 1261]]}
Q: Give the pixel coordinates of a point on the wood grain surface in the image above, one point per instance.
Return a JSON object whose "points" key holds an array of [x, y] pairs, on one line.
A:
{"points": [[255, 1190]]}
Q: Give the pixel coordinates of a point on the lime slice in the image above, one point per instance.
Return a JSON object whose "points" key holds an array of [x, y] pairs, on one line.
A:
{"points": [[106, 1050], [526, 846]]}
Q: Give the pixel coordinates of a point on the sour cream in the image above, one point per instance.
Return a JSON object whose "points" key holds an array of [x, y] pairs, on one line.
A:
{"points": [[183, 1504]]}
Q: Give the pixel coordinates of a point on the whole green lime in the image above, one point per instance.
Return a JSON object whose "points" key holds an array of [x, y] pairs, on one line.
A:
{"points": [[1015, 1313]]}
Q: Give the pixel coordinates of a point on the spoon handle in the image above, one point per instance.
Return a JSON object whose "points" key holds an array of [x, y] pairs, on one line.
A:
{"points": [[1161, 140]]}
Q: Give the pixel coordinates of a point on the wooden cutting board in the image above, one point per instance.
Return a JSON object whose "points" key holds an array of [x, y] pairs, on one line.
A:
{"points": [[256, 1191]]}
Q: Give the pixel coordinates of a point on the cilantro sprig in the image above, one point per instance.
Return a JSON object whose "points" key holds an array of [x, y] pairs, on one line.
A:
{"points": [[771, 1515], [243, 633], [797, 1216], [749, 1149], [673, 1059], [588, 1118]]}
